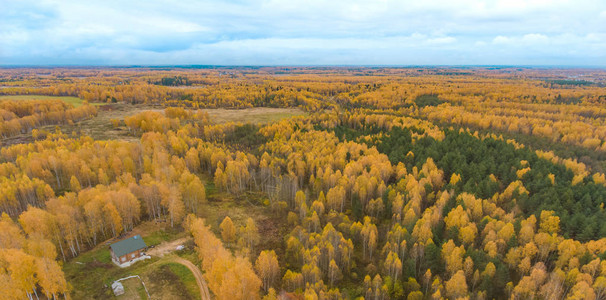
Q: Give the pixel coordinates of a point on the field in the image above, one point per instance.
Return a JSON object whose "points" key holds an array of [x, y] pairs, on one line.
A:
{"points": [[171, 281], [75, 101], [102, 272], [257, 115], [100, 126], [307, 183], [164, 280], [133, 290]]}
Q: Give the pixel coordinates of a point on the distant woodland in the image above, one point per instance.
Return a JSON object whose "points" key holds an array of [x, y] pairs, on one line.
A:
{"points": [[396, 183]]}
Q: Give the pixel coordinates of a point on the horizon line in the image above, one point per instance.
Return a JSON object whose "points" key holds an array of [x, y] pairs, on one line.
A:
{"points": [[210, 66]]}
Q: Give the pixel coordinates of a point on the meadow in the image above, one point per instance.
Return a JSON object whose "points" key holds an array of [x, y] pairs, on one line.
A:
{"points": [[74, 101]]}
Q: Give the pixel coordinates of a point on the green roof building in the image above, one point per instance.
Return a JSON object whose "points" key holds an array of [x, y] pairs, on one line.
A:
{"points": [[126, 251]]}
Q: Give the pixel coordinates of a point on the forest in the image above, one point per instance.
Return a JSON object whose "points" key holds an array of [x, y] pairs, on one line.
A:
{"points": [[388, 183]]}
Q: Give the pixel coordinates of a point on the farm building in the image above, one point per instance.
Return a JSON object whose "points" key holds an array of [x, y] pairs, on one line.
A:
{"points": [[128, 251]]}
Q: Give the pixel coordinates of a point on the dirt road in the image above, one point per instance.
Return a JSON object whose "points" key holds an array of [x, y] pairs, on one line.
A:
{"points": [[204, 294], [165, 248]]}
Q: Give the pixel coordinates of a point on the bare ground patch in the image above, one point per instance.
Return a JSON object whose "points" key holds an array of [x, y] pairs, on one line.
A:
{"points": [[167, 247], [101, 128], [257, 115], [163, 283]]}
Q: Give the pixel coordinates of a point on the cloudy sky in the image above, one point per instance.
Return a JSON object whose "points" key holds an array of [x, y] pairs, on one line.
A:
{"points": [[304, 32]]}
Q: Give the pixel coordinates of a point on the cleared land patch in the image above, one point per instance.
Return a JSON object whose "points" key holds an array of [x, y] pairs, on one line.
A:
{"points": [[101, 272], [101, 128], [171, 281], [133, 290], [75, 101], [167, 247], [257, 115]]}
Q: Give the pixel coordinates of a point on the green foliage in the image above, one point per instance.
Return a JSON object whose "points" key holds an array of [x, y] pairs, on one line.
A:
{"points": [[173, 81], [475, 160], [185, 278], [74, 101], [428, 100], [246, 136], [570, 82], [345, 133]]}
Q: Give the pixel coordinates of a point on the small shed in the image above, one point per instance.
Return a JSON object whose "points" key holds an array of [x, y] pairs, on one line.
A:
{"points": [[127, 250], [118, 288]]}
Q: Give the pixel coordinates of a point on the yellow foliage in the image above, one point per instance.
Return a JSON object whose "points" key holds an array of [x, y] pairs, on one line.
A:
{"points": [[520, 173]]}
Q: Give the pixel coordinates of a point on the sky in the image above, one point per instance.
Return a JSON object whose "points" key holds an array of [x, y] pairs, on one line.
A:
{"points": [[304, 32]]}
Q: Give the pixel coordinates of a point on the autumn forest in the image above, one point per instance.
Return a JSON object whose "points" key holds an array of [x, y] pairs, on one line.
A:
{"points": [[309, 182]]}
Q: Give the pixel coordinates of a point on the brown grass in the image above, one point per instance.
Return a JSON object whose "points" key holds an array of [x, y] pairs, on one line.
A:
{"points": [[132, 286], [101, 128], [257, 115]]}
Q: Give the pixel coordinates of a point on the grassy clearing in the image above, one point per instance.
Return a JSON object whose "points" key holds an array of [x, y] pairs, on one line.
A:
{"points": [[186, 277], [101, 128], [75, 101], [92, 272], [160, 236], [257, 115], [239, 209], [133, 289]]}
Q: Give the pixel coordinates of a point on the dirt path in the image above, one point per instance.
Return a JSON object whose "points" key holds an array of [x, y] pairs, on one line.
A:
{"points": [[166, 247], [204, 294]]}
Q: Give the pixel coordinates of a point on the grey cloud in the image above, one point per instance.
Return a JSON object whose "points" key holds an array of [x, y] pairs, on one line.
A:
{"points": [[304, 32]]}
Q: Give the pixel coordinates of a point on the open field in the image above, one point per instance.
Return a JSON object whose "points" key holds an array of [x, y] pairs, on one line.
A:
{"points": [[75, 101], [256, 115], [169, 280], [101, 128], [101, 272], [133, 290], [177, 277]]}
